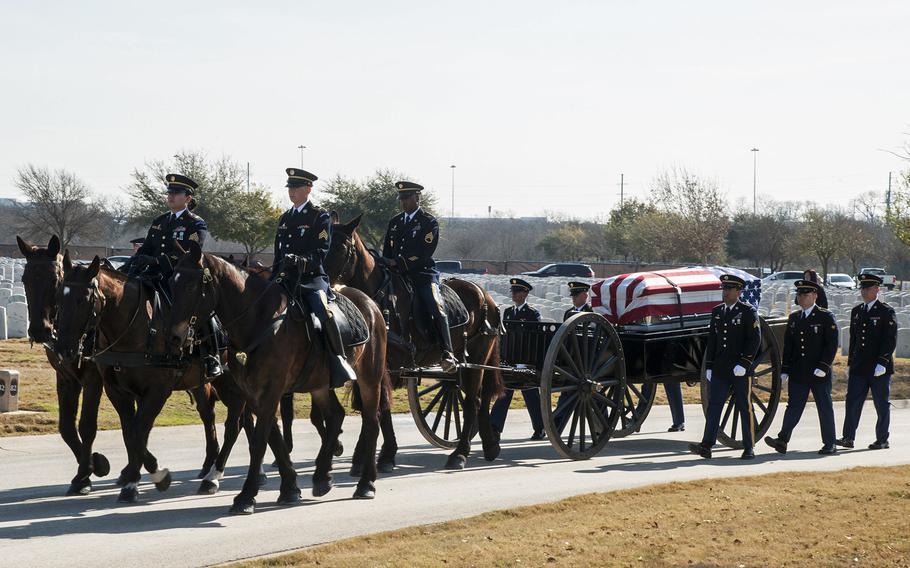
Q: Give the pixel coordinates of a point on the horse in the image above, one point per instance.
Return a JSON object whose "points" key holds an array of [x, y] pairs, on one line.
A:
{"points": [[271, 354], [118, 310], [349, 262]]}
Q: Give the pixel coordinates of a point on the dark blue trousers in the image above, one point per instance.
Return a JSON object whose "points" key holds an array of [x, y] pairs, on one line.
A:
{"points": [[798, 394], [858, 387], [501, 409], [675, 400], [717, 398]]}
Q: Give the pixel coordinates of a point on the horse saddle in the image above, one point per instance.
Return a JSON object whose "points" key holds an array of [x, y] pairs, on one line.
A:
{"points": [[351, 324]]}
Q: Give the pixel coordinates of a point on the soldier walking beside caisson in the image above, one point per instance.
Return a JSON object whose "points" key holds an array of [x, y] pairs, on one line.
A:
{"points": [[734, 338], [810, 344], [873, 337]]}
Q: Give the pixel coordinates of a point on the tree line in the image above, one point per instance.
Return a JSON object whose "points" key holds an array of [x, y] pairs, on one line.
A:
{"points": [[686, 218]]}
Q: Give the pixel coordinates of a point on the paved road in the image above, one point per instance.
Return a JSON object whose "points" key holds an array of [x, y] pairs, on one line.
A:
{"points": [[40, 527]]}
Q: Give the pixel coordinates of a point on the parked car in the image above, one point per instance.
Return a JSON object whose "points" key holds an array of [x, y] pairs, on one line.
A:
{"points": [[888, 280], [455, 267], [117, 261], [841, 281], [576, 269], [788, 277]]}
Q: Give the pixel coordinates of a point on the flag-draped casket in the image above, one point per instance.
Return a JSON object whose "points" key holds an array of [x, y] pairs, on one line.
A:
{"points": [[643, 296]]}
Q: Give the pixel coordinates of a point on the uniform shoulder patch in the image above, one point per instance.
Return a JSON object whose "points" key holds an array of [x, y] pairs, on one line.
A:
{"points": [[324, 235], [428, 238]]}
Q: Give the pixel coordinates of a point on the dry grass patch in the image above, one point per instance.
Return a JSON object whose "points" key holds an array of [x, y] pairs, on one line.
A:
{"points": [[855, 517]]}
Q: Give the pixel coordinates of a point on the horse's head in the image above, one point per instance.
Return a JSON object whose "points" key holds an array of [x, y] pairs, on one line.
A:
{"points": [[340, 262], [42, 275], [79, 304], [194, 300]]}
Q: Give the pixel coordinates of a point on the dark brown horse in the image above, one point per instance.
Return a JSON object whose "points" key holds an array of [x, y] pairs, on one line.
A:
{"points": [[271, 355], [118, 310], [349, 262], [42, 275]]}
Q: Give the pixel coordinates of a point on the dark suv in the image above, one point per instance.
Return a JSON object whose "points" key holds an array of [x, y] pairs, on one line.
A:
{"points": [[576, 269]]}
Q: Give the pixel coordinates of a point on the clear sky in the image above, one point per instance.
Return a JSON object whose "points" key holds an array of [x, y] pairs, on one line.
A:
{"points": [[540, 105]]}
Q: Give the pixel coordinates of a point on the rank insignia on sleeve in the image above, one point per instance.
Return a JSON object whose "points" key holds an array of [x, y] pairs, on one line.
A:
{"points": [[194, 237], [324, 235], [429, 237], [833, 327], [756, 324]]}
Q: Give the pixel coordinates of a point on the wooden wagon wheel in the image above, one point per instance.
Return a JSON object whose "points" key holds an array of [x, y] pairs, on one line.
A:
{"points": [[766, 391], [581, 385], [637, 401], [438, 410]]}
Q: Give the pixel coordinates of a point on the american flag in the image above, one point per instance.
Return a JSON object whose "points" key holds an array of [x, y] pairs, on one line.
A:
{"points": [[628, 298]]}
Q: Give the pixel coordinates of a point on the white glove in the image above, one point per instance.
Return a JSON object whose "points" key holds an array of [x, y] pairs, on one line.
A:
{"points": [[708, 375], [739, 371], [819, 373], [784, 377], [879, 371]]}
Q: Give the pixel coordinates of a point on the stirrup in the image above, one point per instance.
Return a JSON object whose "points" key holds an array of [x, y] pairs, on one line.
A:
{"points": [[212, 367], [448, 363]]}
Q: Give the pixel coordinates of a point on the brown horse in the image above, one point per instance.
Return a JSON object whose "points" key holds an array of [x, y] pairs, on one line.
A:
{"points": [[349, 262], [118, 310], [271, 354]]}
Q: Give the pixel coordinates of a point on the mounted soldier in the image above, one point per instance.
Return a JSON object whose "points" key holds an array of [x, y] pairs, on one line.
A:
{"points": [[410, 241], [301, 245], [156, 256]]}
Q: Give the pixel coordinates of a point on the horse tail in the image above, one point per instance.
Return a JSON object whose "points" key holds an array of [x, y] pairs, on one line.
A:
{"points": [[356, 397]]}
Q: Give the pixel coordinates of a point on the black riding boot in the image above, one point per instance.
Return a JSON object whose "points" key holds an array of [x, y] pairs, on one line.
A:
{"points": [[448, 361], [339, 369], [211, 360]]}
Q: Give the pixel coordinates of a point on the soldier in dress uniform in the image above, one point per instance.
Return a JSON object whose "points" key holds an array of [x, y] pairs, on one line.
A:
{"points": [[410, 241], [519, 312], [734, 339], [137, 243], [301, 245], [810, 344], [156, 256], [873, 337], [579, 293]]}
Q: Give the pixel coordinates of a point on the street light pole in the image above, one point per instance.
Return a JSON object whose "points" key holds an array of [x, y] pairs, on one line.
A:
{"points": [[754, 194], [453, 191], [301, 148]]}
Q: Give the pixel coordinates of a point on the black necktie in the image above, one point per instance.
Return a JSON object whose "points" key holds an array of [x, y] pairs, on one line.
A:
{"points": [[173, 217]]}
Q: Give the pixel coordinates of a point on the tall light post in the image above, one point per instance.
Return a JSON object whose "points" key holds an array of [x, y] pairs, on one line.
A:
{"points": [[754, 194], [301, 148], [453, 191]]}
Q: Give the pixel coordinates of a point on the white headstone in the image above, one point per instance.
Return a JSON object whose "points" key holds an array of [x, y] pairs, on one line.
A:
{"points": [[3, 334], [844, 340], [6, 285], [17, 298], [903, 342], [5, 293], [19, 290], [17, 319]]}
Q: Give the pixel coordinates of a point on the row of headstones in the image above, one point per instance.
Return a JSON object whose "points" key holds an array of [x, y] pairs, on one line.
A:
{"points": [[13, 303], [901, 350]]}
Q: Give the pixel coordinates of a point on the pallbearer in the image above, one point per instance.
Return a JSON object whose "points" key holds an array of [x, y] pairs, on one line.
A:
{"points": [[579, 293], [734, 338], [873, 336], [810, 344]]}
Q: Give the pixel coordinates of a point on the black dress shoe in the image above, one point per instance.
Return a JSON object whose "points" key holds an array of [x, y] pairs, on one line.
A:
{"points": [[845, 442], [779, 445], [748, 454], [828, 450], [677, 428], [876, 445], [538, 435], [700, 450]]}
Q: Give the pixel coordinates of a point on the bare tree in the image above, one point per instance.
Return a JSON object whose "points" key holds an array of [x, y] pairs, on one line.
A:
{"points": [[57, 203], [869, 206], [702, 212], [862, 243], [824, 235]]}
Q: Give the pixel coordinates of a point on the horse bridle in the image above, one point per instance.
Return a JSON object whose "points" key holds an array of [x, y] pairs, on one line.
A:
{"points": [[350, 255], [59, 273]]}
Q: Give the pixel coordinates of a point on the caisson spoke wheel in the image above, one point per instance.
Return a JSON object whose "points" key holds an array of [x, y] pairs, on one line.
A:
{"points": [[438, 410], [582, 384]]}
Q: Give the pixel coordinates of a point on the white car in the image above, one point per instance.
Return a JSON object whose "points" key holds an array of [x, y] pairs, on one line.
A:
{"points": [[788, 277], [841, 281]]}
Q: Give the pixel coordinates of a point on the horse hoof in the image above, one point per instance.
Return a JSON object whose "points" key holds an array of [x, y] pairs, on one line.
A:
{"points": [[365, 490], [207, 488], [356, 470], [121, 480], [385, 466], [80, 487], [263, 480], [339, 449], [243, 507], [162, 480], [320, 488], [290, 497], [491, 452], [129, 494], [456, 461], [100, 464]]}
